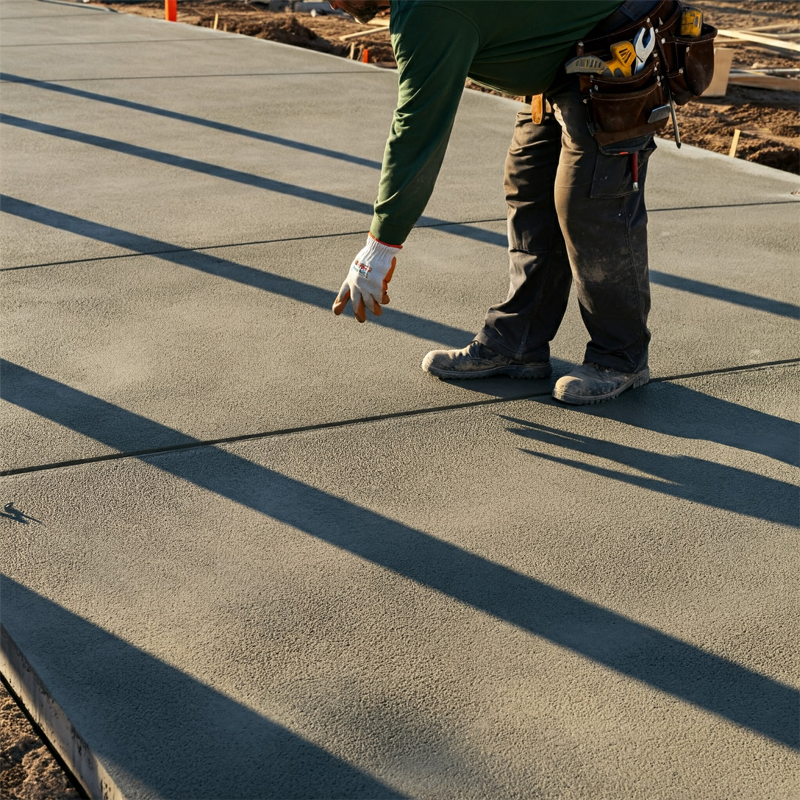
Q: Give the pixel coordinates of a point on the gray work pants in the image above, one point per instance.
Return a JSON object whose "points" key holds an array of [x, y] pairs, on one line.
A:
{"points": [[573, 215]]}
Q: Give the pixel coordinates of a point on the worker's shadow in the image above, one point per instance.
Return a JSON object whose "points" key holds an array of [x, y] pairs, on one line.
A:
{"points": [[14, 514], [681, 412], [676, 410]]}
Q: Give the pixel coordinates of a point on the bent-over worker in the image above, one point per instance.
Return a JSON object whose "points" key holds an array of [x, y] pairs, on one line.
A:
{"points": [[573, 211]]}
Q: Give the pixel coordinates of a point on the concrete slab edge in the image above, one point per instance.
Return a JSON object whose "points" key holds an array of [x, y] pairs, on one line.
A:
{"points": [[693, 152], [212, 32], [79, 5], [54, 723]]}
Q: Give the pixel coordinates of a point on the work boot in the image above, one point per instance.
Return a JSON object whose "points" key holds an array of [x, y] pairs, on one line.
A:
{"points": [[477, 360], [591, 383]]}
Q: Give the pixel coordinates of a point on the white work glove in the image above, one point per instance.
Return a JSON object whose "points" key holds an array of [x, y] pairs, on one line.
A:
{"points": [[368, 279]]}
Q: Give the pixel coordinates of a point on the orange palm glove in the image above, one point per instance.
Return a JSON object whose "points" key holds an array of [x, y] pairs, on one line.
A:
{"points": [[368, 279]]}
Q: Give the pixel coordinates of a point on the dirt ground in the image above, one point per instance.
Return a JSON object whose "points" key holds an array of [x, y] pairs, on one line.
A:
{"points": [[28, 770], [769, 120]]}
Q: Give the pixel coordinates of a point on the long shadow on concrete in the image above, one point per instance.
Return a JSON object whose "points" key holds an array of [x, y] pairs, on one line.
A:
{"points": [[638, 651], [693, 479], [189, 118], [677, 410], [308, 293], [237, 176], [467, 231], [249, 276], [188, 740], [726, 295]]}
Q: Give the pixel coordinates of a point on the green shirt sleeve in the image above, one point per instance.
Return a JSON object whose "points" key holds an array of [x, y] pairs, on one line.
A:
{"points": [[433, 60]]}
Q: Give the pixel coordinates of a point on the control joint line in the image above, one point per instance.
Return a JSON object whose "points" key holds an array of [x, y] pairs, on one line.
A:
{"points": [[203, 248], [754, 204], [357, 421], [267, 434]]}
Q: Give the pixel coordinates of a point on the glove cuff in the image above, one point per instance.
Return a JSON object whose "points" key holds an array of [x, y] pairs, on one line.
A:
{"points": [[371, 238]]}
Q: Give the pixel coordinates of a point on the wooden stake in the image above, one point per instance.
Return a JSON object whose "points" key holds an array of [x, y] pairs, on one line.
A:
{"points": [[216, 21], [171, 10], [734, 147]]}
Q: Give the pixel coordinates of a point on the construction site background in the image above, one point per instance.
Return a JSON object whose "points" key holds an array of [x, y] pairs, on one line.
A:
{"points": [[768, 118]]}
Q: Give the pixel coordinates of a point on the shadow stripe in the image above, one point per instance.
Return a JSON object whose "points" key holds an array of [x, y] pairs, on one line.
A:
{"points": [[189, 118], [429, 330]]}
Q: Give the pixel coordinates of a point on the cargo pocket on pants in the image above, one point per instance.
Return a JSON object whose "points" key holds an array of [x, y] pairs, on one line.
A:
{"points": [[613, 171]]}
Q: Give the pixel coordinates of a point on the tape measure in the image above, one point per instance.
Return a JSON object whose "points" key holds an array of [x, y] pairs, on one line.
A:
{"points": [[691, 23]]}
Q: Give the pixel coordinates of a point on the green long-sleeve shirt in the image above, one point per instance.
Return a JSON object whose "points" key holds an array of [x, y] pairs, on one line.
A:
{"points": [[514, 46]]}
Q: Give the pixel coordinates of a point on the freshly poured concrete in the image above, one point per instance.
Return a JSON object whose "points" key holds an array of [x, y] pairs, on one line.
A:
{"points": [[520, 600], [241, 340]]}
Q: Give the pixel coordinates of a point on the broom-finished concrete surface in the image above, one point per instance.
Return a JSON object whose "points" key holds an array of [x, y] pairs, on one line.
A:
{"points": [[519, 600]]}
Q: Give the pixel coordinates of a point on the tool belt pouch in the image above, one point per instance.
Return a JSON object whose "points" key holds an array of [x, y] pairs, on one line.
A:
{"points": [[625, 108], [688, 63]]}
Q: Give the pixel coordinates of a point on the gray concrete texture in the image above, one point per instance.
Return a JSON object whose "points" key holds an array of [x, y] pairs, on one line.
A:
{"points": [[506, 600]]}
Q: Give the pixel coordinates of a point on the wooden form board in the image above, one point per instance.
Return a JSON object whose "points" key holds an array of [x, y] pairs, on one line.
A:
{"points": [[762, 39], [765, 82], [375, 26]]}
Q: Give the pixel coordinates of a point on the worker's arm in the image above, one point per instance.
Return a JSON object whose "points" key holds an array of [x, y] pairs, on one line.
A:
{"points": [[434, 48]]}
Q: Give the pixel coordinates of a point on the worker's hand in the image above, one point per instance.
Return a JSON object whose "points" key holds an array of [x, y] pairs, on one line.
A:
{"points": [[368, 279]]}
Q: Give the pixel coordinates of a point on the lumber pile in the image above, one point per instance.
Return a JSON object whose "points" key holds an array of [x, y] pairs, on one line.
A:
{"points": [[784, 38], [783, 41]]}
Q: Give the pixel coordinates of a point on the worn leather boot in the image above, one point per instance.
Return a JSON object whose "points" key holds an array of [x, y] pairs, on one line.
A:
{"points": [[476, 360], [591, 383]]}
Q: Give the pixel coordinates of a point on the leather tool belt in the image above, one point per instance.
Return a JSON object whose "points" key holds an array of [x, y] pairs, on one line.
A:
{"points": [[679, 69]]}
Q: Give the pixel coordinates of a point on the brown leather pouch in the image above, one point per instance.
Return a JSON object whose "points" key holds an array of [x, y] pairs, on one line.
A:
{"points": [[625, 108]]}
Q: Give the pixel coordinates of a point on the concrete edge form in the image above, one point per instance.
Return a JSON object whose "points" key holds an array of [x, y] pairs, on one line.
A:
{"points": [[53, 722]]}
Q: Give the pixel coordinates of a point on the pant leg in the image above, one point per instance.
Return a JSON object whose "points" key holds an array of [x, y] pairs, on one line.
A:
{"points": [[523, 326], [604, 222]]}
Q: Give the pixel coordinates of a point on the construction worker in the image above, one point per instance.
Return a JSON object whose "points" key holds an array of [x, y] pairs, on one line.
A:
{"points": [[573, 211]]}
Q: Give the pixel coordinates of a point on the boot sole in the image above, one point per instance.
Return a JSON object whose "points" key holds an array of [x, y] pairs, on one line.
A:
{"points": [[640, 379], [511, 372]]}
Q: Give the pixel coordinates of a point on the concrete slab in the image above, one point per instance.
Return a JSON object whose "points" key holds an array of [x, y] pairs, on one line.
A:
{"points": [[41, 13], [173, 54], [695, 178], [366, 609], [165, 44], [41, 9], [373, 611], [268, 159], [241, 340]]}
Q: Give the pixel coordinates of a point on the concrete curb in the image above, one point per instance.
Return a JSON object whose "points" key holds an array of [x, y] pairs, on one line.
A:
{"points": [[54, 723]]}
